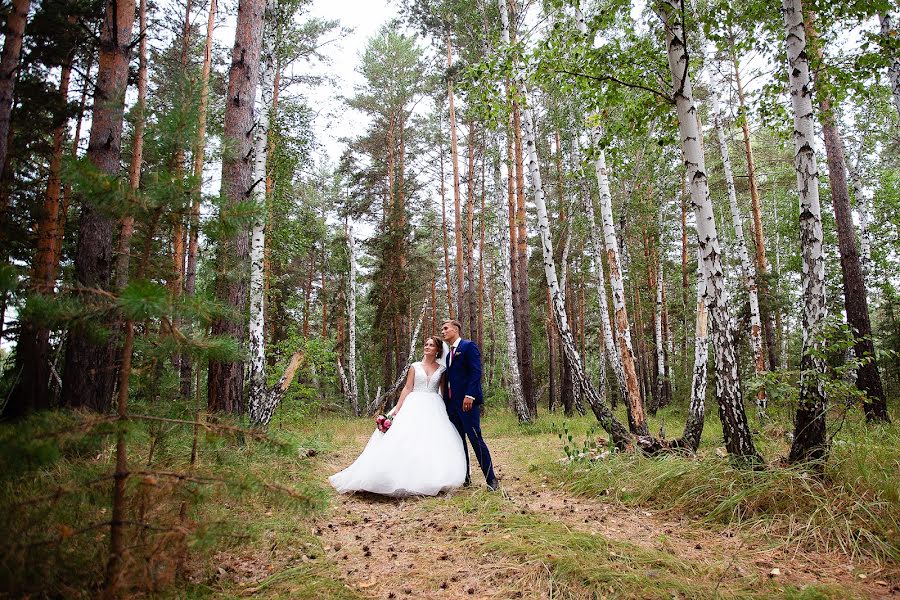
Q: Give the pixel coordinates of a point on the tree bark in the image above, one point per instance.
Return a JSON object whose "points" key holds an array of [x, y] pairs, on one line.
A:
{"points": [[738, 439], [9, 68], [450, 309], [888, 32], [226, 378], [809, 425], [353, 393], [193, 251], [618, 432], [90, 364], [257, 330], [756, 343], [512, 372], [126, 228], [32, 367], [470, 238], [856, 301], [631, 390], [762, 264], [454, 157]]}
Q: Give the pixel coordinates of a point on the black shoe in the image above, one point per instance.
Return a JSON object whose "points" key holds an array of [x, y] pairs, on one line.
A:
{"points": [[467, 482], [493, 484]]}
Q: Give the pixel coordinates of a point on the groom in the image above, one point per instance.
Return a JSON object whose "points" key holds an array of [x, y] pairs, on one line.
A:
{"points": [[462, 395]]}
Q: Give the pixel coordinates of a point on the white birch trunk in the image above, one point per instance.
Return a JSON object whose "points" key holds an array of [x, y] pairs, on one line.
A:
{"points": [[616, 430], [257, 393], [632, 397], [512, 358], [738, 439], [657, 326], [693, 428], [748, 268], [887, 31], [809, 432], [351, 319]]}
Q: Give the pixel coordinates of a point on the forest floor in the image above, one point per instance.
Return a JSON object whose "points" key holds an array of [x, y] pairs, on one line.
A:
{"points": [[538, 539]]}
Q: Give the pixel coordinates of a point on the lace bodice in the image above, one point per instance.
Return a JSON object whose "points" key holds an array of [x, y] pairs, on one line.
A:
{"points": [[424, 383]]}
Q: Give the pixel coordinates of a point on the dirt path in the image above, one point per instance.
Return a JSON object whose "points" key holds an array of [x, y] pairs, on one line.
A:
{"points": [[474, 543]]}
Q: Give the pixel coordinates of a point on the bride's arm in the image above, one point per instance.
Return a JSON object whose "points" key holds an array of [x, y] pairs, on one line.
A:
{"points": [[410, 383]]}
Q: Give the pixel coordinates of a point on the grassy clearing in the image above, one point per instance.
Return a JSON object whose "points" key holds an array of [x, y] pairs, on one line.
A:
{"points": [[583, 564], [238, 519], [853, 507]]}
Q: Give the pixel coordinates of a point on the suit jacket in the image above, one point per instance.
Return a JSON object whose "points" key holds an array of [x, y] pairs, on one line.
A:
{"points": [[463, 376]]}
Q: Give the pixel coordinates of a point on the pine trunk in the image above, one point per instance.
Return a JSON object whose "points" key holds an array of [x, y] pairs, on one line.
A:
{"points": [[31, 391], [470, 238], [9, 68], [226, 379], [444, 228], [693, 427], [457, 201], [193, 250], [738, 439], [90, 364], [762, 264], [809, 426]]}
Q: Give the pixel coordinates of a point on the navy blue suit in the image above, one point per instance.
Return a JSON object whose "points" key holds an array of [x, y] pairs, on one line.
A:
{"points": [[463, 378]]}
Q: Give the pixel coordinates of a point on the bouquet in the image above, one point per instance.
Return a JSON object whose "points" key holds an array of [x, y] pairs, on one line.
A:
{"points": [[383, 422]]}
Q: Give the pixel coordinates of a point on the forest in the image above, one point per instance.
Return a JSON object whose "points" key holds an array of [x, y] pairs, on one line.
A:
{"points": [[672, 227]]}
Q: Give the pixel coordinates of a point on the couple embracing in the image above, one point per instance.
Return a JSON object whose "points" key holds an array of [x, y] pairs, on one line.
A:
{"points": [[424, 450]]}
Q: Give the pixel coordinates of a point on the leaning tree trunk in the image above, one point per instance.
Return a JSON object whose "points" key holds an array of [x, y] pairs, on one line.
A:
{"points": [[619, 434], [190, 278], [809, 426], [738, 439], [514, 380], [856, 302], [90, 364], [226, 378], [756, 342], [889, 34], [257, 330]]}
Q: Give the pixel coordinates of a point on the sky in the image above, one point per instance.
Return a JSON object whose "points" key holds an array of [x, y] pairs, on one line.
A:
{"points": [[364, 17]]}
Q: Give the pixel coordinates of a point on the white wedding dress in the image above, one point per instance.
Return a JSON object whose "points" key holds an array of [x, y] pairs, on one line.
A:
{"points": [[421, 453]]}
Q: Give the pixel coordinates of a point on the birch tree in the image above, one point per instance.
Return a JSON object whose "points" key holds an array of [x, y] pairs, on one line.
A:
{"points": [[809, 424], [756, 342], [616, 430], [352, 391], [258, 232], [512, 359], [738, 439]]}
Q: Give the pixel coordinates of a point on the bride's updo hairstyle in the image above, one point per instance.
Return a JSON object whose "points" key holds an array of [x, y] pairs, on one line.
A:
{"points": [[438, 343]]}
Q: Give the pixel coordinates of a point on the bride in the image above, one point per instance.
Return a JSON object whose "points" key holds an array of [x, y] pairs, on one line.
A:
{"points": [[421, 453]]}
